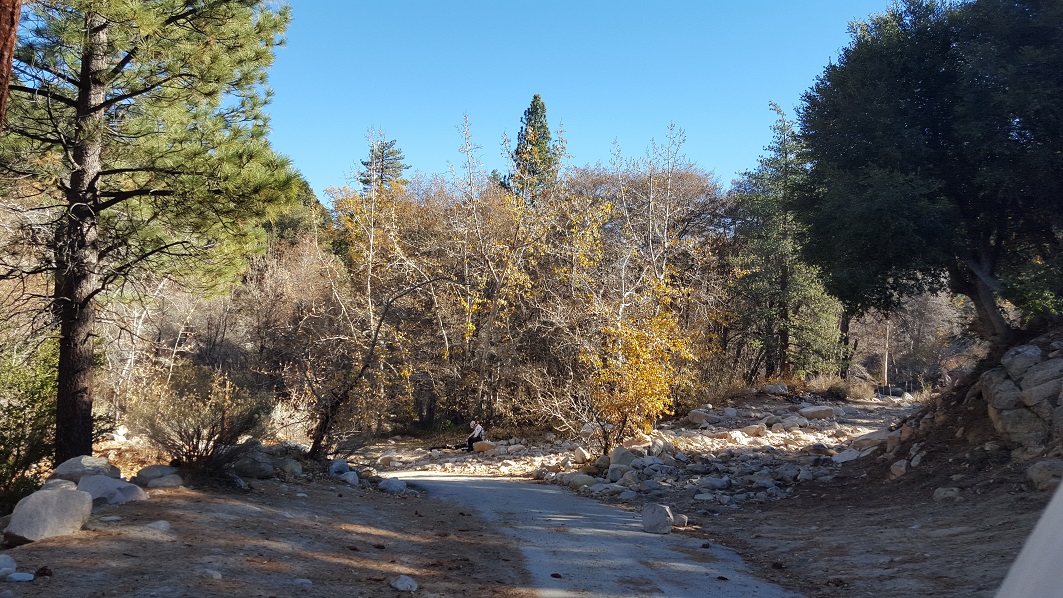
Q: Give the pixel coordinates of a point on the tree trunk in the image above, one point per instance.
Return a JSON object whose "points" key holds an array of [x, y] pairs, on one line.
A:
{"points": [[77, 257], [9, 12], [843, 345]]}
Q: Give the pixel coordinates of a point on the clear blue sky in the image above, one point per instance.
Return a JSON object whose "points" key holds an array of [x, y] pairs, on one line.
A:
{"points": [[607, 70]]}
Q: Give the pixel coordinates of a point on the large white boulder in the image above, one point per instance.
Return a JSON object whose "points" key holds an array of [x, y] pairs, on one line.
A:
{"points": [[78, 467], [107, 490], [48, 513]]}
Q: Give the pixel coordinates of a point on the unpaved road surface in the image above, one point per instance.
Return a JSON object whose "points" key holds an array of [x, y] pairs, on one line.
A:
{"points": [[573, 546]]}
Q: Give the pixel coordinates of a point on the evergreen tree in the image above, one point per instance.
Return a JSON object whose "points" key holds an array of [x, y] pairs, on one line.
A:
{"points": [[783, 308], [136, 140], [537, 158], [383, 166]]}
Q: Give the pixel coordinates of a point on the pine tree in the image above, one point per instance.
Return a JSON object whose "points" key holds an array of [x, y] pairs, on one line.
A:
{"points": [[536, 158], [137, 137], [383, 166]]}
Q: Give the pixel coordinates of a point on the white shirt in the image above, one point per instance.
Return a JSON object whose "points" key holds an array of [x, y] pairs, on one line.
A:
{"points": [[477, 432]]}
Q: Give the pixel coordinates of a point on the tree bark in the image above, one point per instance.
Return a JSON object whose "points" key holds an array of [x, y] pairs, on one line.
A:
{"points": [[9, 13], [77, 256]]}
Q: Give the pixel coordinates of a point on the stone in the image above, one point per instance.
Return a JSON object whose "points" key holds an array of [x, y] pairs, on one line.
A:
{"points": [[7, 565], [48, 513], [714, 483], [483, 446], [776, 389], [755, 430], [869, 440], [390, 460], [817, 412], [581, 455], [795, 421], [338, 467], [78, 467], [404, 583], [1041, 373], [107, 490], [167, 481], [392, 486], [1045, 475], [255, 465], [699, 417], [19, 577], [898, 469], [579, 480], [849, 454], [1049, 391], [1021, 426], [730, 412], [893, 440], [680, 520], [621, 456], [160, 526], [57, 484], [1019, 359], [288, 466], [351, 477], [657, 519], [617, 471], [949, 493], [152, 472]]}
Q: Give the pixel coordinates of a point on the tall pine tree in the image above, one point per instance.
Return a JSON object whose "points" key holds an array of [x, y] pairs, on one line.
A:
{"points": [[136, 138], [537, 158]]}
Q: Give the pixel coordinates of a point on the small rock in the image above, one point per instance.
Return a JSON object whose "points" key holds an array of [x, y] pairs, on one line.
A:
{"points": [[302, 581], [7, 565], [160, 525], [211, 573], [1045, 475], [392, 486], [110, 519], [730, 412], [776, 389], [847, 455], [946, 493], [404, 583], [679, 520], [20, 577], [817, 412], [898, 469], [351, 477], [581, 455]]}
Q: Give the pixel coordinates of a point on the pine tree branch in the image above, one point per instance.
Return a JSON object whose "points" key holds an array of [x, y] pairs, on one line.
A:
{"points": [[43, 92]]}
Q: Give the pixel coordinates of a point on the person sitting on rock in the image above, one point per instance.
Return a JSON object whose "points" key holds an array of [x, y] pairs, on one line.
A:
{"points": [[477, 434]]}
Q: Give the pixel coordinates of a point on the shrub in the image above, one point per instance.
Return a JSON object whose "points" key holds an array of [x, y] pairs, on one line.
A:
{"points": [[201, 420], [27, 424]]}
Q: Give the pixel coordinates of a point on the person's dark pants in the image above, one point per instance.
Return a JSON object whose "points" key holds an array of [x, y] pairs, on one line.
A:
{"points": [[473, 441]]}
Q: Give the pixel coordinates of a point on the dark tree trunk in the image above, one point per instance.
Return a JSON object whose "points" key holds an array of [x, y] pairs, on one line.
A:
{"points": [[77, 256], [843, 345], [9, 12]]}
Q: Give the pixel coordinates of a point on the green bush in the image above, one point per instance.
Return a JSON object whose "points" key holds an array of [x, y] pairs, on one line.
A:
{"points": [[27, 420], [200, 419]]}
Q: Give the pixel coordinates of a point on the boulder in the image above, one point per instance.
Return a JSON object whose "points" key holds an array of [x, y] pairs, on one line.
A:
{"points": [[167, 481], [730, 412], [351, 477], [776, 389], [617, 471], [1048, 391], [1019, 359], [579, 480], [849, 454], [755, 430], [817, 412], [78, 467], [48, 513], [699, 417], [581, 455], [950, 493], [898, 469], [392, 486], [152, 472], [1021, 426], [288, 466], [794, 421], [57, 484], [107, 490], [255, 465], [621, 456], [1041, 373], [1045, 475], [482, 446], [338, 467], [869, 440], [657, 519], [714, 483]]}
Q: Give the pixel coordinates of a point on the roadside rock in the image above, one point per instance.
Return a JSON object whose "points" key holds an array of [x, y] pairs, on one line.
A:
{"points": [[48, 513], [482, 446], [817, 412], [78, 467], [351, 477], [338, 467], [404, 583], [392, 486], [107, 490], [152, 472], [256, 465], [657, 519]]}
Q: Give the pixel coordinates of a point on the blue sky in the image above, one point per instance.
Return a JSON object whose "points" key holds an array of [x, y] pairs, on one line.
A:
{"points": [[619, 70]]}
